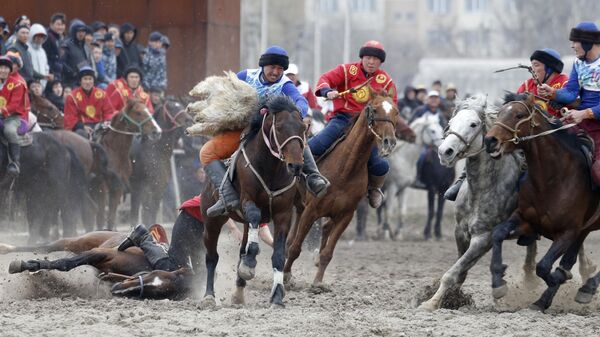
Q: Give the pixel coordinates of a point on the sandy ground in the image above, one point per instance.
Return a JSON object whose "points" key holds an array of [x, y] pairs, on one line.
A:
{"points": [[374, 290]]}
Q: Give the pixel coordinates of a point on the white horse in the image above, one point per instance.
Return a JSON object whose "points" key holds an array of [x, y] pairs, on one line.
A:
{"points": [[403, 170], [482, 201]]}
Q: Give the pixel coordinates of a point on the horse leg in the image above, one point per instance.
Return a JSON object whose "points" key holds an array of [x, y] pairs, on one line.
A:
{"points": [[430, 210], [401, 207], [238, 297], [439, 215], [339, 225], [586, 266], [68, 244], [114, 199], [134, 210], [455, 276], [90, 257], [248, 259], [500, 233], [529, 265], [304, 224], [361, 220], [212, 229], [281, 223], [559, 247], [151, 207], [561, 274], [101, 195]]}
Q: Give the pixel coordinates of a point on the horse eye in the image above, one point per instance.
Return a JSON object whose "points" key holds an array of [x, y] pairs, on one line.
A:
{"points": [[520, 116], [473, 125]]}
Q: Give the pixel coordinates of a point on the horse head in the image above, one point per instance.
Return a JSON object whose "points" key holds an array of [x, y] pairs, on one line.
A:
{"points": [[157, 284], [382, 116], [172, 115], [135, 118], [47, 114], [428, 130], [284, 132], [467, 127], [517, 118]]}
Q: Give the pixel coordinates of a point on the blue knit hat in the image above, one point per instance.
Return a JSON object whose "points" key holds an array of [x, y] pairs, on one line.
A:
{"points": [[155, 36], [587, 33], [274, 55], [86, 71], [551, 60]]}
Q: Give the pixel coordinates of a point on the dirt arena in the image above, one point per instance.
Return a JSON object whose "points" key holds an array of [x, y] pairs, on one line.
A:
{"points": [[375, 288]]}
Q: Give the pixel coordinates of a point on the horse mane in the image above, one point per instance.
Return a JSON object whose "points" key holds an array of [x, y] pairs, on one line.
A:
{"points": [[478, 103], [274, 104], [568, 139]]}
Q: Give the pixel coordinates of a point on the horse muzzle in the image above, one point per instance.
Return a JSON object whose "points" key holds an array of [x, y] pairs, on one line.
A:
{"points": [[387, 146], [493, 147], [295, 169], [447, 155]]}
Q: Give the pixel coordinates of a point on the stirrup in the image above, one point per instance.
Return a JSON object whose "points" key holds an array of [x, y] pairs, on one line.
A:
{"points": [[218, 209], [323, 190]]}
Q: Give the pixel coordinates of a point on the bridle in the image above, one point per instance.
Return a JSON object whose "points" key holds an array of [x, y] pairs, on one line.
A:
{"points": [[139, 125], [532, 124], [52, 119], [371, 119], [271, 138], [169, 117], [468, 142]]}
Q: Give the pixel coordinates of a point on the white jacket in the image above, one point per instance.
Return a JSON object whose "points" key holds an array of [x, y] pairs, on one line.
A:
{"points": [[38, 54]]}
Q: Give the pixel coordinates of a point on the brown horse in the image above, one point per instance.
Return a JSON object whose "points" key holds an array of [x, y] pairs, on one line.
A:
{"points": [[346, 168], [151, 162], [267, 167], [135, 119], [556, 201], [129, 268], [48, 115]]}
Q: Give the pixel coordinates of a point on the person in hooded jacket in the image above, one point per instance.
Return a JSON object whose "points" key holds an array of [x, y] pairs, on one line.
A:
{"points": [[56, 36], [131, 53], [39, 60], [20, 46], [54, 93], [409, 102], [75, 55]]}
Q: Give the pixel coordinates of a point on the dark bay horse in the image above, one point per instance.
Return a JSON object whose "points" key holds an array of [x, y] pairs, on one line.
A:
{"points": [[346, 168], [134, 119], [150, 161], [267, 167], [48, 115], [556, 200], [51, 181]]}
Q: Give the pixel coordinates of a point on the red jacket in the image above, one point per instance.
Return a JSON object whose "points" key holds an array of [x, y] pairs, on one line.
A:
{"points": [[91, 109], [14, 97], [558, 81], [351, 75], [119, 92]]}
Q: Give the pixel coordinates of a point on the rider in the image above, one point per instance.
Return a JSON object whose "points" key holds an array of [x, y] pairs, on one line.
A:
{"points": [[302, 86], [129, 86], [267, 80], [342, 78], [14, 107], [584, 82], [547, 66], [87, 105]]}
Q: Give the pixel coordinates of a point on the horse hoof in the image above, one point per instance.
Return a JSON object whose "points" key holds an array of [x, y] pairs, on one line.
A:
{"points": [[246, 273], [16, 267], [208, 302], [427, 306], [289, 281], [238, 297], [277, 306], [536, 307], [319, 288], [500, 291], [5, 249], [583, 297]]}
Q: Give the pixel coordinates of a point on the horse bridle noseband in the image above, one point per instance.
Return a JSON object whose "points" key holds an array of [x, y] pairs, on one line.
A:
{"points": [[139, 125], [52, 119], [173, 119], [272, 137], [371, 119], [516, 139], [469, 142]]}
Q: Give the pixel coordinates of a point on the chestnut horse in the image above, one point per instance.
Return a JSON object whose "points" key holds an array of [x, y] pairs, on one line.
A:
{"points": [[48, 115], [267, 167], [135, 119], [150, 160], [556, 201], [346, 168]]}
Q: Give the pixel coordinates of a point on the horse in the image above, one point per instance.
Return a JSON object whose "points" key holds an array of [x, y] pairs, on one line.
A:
{"points": [[134, 119], [48, 115], [51, 181], [346, 168], [557, 199], [130, 269], [150, 162], [267, 166], [403, 170]]}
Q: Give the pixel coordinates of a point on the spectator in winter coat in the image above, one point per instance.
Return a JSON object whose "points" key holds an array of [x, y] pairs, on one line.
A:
{"points": [[56, 36], [20, 46], [39, 60], [155, 64], [54, 93], [4, 32], [109, 57], [131, 53], [75, 53]]}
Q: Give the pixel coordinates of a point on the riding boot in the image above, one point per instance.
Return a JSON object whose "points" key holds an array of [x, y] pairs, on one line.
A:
{"points": [[157, 254], [228, 196], [14, 150], [375, 194], [452, 191], [418, 183], [134, 238], [315, 182]]}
